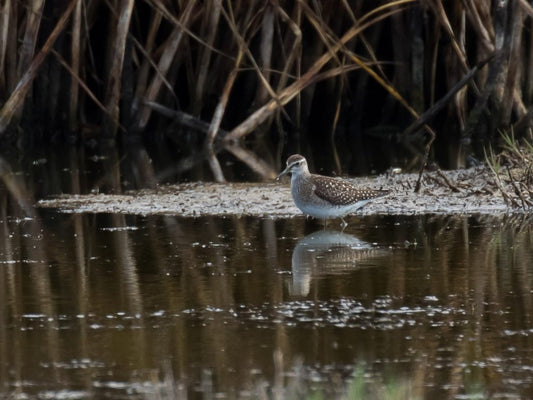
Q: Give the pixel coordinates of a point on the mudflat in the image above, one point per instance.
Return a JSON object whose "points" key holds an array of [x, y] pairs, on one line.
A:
{"points": [[465, 191]]}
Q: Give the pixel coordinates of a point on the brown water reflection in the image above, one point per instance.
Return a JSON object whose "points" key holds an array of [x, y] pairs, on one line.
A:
{"points": [[105, 306]]}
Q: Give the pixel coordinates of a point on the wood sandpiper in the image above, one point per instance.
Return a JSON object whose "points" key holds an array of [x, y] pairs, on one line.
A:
{"points": [[323, 196]]}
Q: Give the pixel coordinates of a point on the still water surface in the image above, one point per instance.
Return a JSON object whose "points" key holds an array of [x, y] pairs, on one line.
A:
{"points": [[110, 306]]}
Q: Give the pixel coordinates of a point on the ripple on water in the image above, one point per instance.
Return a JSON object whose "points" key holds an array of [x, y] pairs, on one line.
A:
{"points": [[344, 312], [64, 394]]}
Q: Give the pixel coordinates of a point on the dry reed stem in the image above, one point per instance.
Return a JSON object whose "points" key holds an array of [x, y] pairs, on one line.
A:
{"points": [[113, 93], [160, 6], [219, 114], [79, 81], [295, 88], [75, 65], [221, 106], [324, 33], [205, 56], [525, 202], [265, 52], [12, 48], [443, 19], [143, 80], [461, 100], [501, 91], [5, 15], [242, 43], [295, 57], [433, 110], [33, 22], [501, 42], [144, 70], [526, 7], [29, 42], [271, 37], [186, 120], [479, 109], [485, 32], [217, 119], [513, 63], [164, 63], [295, 51], [382, 80], [16, 99], [362, 38]]}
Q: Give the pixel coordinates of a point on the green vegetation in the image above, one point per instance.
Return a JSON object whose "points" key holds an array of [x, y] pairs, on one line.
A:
{"points": [[512, 169]]}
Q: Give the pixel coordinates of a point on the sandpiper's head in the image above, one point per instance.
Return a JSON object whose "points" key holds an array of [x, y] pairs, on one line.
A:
{"points": [[296, 164]]}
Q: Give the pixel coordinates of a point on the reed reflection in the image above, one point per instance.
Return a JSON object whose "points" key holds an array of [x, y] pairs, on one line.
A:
{"points": [[327, 252], [99, 302]]}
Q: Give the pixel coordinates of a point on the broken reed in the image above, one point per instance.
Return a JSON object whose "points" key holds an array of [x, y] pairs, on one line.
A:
{"points": [[84, 65]]}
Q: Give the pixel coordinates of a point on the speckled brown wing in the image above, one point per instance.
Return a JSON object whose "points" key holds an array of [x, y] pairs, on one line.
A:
{"points": [[340, 192]]}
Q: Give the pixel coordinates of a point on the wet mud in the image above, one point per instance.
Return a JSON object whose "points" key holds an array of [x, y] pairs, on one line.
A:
{"points": [[466, 191]]}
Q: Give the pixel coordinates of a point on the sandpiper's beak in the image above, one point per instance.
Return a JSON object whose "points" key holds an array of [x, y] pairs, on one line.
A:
{"points": [[284, 172]]}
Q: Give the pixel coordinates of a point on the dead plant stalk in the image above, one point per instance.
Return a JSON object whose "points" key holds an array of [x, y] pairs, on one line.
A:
{"points": [[287, 94], [18, 95]]}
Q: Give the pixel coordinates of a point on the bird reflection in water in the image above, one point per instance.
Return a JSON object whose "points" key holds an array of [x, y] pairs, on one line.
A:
{"points": [[327, 253]]}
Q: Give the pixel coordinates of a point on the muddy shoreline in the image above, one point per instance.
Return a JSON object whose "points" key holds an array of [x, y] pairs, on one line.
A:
{"points": [[474, 191]]}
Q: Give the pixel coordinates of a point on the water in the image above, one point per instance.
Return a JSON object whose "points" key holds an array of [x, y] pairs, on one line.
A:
{"points": [[110, 306]]}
